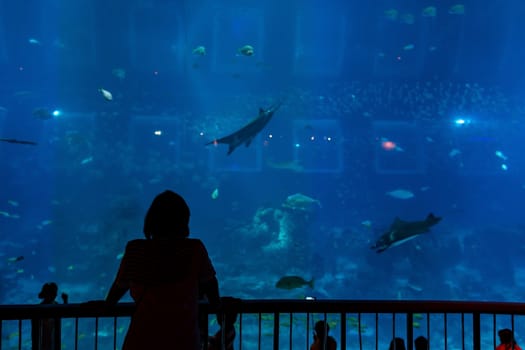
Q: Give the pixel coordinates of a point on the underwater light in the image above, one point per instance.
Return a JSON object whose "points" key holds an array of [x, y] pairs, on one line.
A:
{"points": [[462, 121], [157, 132], [388, 145], [57, 113]]}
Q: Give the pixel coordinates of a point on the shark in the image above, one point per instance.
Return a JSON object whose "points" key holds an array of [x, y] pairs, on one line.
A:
{"points": [[247, 133], [23, 142], [401, 231]]}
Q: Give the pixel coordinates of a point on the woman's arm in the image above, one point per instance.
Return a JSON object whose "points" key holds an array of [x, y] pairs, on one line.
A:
{"points": [[115, 293], [210, 289], [131, 259]]}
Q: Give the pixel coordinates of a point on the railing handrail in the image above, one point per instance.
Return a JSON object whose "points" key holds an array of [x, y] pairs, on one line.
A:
{"points": [[24, 311]]}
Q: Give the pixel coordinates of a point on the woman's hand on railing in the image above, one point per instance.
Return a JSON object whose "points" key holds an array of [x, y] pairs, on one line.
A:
{"points": [[100, 305], [100, 302]]}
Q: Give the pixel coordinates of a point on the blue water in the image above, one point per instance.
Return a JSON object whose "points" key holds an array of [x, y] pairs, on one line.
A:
{"points": [[377, 97]]}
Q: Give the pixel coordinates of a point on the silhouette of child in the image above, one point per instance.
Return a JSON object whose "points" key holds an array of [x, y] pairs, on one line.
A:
{"points": [[421, 343], [507, 342], [46, 333], [397, 344], [321, 338], [227, 322]]}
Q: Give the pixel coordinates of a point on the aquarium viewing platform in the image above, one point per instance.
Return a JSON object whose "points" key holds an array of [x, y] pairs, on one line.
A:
{"points": [[354, 164], [288, 324]]}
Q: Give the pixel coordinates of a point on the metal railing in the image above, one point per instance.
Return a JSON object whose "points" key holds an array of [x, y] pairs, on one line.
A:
{"points": [[288, 324]]}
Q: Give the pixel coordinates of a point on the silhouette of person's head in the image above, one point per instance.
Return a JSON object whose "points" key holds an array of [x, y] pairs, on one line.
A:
{"points": [[167, 217], [421, 343], [321, 329], [397, 344], [48, 293], [505, 336]]}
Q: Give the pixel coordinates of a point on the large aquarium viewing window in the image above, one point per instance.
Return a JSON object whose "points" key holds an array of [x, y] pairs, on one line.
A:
{"points": [[336, 150], [319, 43]]}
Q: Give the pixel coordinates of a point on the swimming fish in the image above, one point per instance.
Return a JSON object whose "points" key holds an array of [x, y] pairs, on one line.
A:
{"points": [[293, 282], [119, 73], [299, 201], [407, 18], [458, 9], [500, 154], [391, 14], [106, 94], [15, 259], [23, 142], [247, 133], [402, 231], [246, 50], [199, 51], [34, 41], [86, 160], [429, 11], [400, 194]]}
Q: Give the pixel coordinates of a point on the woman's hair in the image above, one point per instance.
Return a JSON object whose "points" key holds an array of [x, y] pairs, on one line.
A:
{"points": [[168, 216]]}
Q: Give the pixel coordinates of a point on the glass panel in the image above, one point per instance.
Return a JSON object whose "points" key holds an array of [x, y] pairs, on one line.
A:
{"points": [[393, 126]]}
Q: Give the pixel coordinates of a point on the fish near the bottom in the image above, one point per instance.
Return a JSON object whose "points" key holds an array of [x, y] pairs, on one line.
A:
{"points": [[293, 282]]}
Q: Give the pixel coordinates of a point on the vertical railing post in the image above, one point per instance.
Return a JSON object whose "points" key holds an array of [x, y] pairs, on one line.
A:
{"points": [[203, 325], [96, 333], [115, 333], [276, 331], [20, 334], [76, 333], [291, 330], [445, 332], [240, 330], [343, 331], [307, 331], [410, 331], [476, 331]]}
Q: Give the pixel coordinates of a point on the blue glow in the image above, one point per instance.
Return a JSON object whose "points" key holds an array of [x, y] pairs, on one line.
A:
{"points": [[56, 113], [460, 121], [297, 145]]}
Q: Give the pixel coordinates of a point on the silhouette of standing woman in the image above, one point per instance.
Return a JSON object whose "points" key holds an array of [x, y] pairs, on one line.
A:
{"points": [[165, 274]]}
